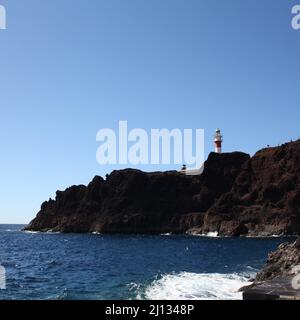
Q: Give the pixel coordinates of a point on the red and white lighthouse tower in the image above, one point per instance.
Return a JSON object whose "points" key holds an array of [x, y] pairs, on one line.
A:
{"points": [[218, 141]]}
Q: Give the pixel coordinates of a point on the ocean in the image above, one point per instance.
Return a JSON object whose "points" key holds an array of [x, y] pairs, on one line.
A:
{"points": [[96, 267]]}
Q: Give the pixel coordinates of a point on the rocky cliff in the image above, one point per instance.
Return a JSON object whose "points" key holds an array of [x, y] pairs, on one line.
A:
{"points": [[279, 278], [285, 261], [236, 195]]}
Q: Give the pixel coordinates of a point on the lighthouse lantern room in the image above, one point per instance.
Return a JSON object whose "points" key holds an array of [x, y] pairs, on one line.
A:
{"points": [[218, 141]]}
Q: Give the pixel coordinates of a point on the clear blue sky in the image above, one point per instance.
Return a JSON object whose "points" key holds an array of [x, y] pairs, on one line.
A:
{"points": [[69, 68]]}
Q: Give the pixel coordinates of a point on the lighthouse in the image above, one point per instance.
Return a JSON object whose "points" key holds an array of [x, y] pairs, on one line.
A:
{"points": [[218, 141]]}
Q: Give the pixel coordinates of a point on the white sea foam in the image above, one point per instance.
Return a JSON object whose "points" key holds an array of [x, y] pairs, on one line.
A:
{"points": [[39, 232], [209, 234], [193, 286], [31, 232], [266, 236], [166, 234]]}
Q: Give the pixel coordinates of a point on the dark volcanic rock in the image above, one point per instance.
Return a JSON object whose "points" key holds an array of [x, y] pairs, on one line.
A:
{"points": [[131, 201], [275, 279], [265, 195], [281, 262], [284, 263], [236, 195]]}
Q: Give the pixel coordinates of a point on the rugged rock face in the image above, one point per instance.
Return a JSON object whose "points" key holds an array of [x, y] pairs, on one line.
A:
{"points": [[282, 265], [236, 195], [265, 197], [281, 262]]}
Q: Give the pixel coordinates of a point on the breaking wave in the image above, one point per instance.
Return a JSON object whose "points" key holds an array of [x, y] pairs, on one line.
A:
{"points": [[209, 234], [193, 286]]}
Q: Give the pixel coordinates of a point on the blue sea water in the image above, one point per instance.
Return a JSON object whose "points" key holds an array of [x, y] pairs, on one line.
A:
{"points": [[95, 266]]}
